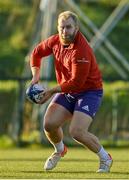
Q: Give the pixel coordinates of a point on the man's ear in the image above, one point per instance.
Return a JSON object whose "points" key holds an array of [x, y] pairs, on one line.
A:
{"points": [[58, 28], [77, 28]]}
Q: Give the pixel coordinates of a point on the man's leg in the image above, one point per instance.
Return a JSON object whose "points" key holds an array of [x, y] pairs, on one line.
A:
{"points": [[54, 118], [79, 131]]}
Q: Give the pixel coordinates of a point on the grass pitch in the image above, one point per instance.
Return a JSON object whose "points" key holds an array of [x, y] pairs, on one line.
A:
{"points": [[79, 163]]}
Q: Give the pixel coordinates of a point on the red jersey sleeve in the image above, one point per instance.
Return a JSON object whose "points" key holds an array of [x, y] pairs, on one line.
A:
{"points": [[41, 50], [80, 70]]}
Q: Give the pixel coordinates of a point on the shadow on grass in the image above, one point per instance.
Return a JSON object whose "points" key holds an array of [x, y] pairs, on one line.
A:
{"points": [[66, 172], [63, 160], [74, 172], [44, 159], [57, 172]]}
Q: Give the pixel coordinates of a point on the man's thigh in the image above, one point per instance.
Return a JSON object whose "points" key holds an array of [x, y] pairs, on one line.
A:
{"points": [[56, 115], [85, 109], [80, 122]]}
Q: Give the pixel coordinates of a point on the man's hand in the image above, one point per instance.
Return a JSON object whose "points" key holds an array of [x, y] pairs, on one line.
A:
{"points": [[48, 93], [34, 80]]}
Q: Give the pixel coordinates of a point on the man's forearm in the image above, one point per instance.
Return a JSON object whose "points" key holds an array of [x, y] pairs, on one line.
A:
{"points": [[35, 71], [56, 89], [36, 74]]}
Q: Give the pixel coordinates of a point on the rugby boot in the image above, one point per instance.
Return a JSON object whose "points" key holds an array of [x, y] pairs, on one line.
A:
{"points": [[52, 161], [105, 165]]}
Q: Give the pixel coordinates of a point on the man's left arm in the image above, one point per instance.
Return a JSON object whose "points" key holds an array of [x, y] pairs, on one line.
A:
{"points": [[48, 93]]}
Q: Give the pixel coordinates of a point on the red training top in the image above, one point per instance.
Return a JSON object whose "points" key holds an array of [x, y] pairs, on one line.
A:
{"points": [[75, 66]]}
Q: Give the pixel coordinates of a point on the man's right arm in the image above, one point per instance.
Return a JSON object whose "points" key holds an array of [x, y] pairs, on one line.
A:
{"points": [[41, 50]]}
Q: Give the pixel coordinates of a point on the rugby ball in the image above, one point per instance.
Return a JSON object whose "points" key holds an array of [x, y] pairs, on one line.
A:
{"points": [[33, 93]]}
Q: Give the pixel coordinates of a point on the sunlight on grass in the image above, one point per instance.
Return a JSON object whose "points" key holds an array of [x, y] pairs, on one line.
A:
{"points": [[78, 163]]}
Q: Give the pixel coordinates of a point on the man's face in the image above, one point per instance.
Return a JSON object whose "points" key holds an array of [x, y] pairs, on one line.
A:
{"points": [[67, 30]]}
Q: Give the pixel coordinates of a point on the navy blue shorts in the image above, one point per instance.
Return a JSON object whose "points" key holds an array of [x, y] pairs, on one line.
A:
{"points": [[87, 102]]}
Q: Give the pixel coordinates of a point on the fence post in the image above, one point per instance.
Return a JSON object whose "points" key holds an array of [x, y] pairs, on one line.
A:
{"points": [[18, 119], [114, 113]]}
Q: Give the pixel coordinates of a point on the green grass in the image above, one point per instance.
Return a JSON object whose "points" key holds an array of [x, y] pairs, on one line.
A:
{"points": [[77, 164]]}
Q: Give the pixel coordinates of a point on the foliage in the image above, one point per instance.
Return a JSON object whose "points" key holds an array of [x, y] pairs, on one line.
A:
{"points": [[8, 96], [6, 142], [14, 17], [15, 42], [11, 64], [98, 12], [115, 101]]}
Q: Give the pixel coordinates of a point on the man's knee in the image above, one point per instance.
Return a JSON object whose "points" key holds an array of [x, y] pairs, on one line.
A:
{"points": [[75, 133], [78, 133], [50, 124], [47, 124]]}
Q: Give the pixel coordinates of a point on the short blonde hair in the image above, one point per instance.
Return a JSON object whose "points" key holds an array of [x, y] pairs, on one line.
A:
{"points": [[68, 14]]}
